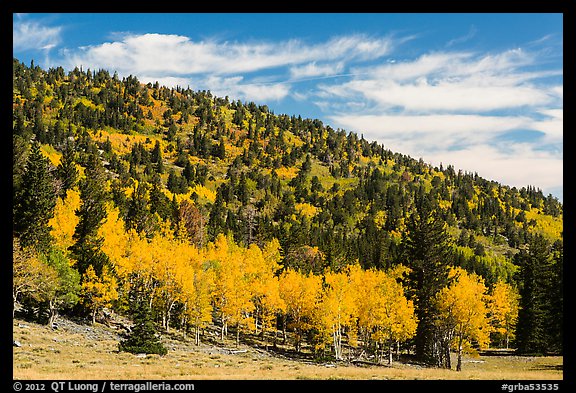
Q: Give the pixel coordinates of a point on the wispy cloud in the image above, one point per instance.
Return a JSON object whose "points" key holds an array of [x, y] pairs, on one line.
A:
{"points": [[179, 55], [33, 35], [467, 37], [448, 82], [228, 68], [313, 69]]}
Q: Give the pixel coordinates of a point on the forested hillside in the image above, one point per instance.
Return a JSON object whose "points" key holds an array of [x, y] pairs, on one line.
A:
{"points": [[181, 209]]}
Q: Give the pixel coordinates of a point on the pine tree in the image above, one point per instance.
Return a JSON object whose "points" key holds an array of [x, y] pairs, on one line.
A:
{"points": [[426, 248], [67, 171], [142, 338], [539, 315], [92, 212], [156, 157], [138, 216], [34, 205]]}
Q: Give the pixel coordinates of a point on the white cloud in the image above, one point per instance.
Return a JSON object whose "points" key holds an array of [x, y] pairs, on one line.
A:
{"points": [[423, 96], [179, 55], [552, 126], [313, 69], [29, 35], [468, 36], [448, 82], [430, 132], [222, 67]]}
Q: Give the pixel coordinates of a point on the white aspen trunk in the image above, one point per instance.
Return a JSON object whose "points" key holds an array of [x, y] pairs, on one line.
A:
{"points": [[238, 334], [169, 316], [14, 298], [459, 364], [52, 308], [222, 330]]}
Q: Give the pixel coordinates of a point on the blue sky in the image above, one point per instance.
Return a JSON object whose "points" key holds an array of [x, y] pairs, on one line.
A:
{"points": [[483, 92]]}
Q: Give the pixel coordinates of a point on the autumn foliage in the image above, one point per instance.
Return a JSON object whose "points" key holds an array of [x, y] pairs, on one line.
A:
{"points": [[187, 212]]}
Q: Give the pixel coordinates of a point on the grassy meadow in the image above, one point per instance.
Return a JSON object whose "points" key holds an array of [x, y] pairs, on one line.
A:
{"points": [[84, 352]]}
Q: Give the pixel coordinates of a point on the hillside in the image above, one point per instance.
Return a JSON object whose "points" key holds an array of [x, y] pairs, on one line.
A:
{"points": [[167, 196]]}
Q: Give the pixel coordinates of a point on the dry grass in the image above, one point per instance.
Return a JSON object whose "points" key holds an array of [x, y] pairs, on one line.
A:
{"points": [[87, 353]]}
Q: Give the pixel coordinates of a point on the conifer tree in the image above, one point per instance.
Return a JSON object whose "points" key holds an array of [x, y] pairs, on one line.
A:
{"points": [[142, 338], [426, 252], [92, 212], [67, 171], [537, 328], [34, 205]]}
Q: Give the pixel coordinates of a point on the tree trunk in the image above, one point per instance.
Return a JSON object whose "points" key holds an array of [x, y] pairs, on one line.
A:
{"points": [[15, 299], [390, 354], [52, 309], [459, 364], [94, 311]]}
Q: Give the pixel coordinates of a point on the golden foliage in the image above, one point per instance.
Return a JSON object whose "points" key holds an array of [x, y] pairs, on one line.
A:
{"points": [[64, 221], [463, 306]]}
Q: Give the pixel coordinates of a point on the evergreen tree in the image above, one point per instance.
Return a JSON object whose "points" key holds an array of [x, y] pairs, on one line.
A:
{"points": [[173, 184], [138, 216], [426, 250], [92, 212], [34, 205], [142, 338], [540, 315], [67, 171], [159, 202], [156, 157], [556, 320]]}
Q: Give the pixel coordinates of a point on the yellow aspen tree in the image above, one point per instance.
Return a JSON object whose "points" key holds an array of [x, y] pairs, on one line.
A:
{"points": [[301, 294], [503, 305], [116, 242], [462, 307], [385, 315], [366, 290], [397, 317], [241, 306], [197, 284], [137, 268], [338, 307], [168, 259], [232, 292], [270, 305], [98, 292], [64, 221], [215, 254], [264, 286]]}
